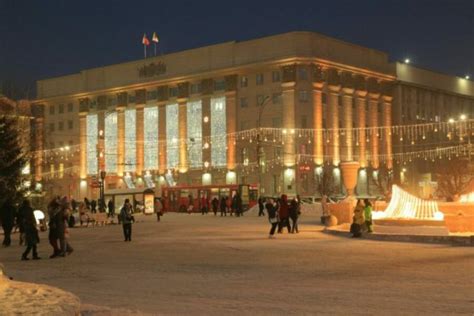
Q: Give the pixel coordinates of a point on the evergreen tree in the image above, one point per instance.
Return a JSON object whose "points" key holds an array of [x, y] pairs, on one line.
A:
{"points": [[12, 160]]}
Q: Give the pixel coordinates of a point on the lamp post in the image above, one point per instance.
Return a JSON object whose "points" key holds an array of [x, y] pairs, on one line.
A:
{"points": [[262, 105]]}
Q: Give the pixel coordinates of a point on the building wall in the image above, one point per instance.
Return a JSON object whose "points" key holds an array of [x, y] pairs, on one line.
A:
{"points": [[311, 81]]}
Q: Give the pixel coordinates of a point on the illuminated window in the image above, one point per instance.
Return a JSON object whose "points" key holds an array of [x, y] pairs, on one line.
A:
{"points": [[130, 140], [172, 136], [110, 142], [151, 138], [61, 170], [194, 126], [92, 141], [218, 132]]}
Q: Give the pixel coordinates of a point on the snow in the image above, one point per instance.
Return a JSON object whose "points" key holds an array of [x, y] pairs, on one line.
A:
{"points": [[211, 265]]}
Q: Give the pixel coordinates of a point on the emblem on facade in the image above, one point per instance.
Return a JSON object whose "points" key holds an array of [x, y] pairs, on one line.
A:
{"points": [[152, 70]]}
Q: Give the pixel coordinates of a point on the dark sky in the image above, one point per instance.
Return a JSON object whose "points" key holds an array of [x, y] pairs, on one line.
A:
{"points": [[46, 38]]}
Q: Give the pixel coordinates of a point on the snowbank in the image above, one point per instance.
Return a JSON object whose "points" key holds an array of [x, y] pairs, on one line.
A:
{"points": [[20, 298]]}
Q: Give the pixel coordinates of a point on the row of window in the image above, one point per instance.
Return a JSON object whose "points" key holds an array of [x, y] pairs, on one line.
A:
{"points": [[61, 108], [52, 126], [276, 77]]}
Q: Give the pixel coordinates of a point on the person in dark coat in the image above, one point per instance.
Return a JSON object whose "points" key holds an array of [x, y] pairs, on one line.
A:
{"points": [[223, 206], [7, 217], [261, 202], [294, 213], [61, 220], [284, 214], [215, 205], [111, 207], [87, 203], [272, 217], [53, 236], [31, 232], [93, 206], [126, 218], [237, 205]]}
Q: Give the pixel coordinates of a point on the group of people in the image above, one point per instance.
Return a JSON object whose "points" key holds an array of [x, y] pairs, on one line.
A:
{"points": [[280, 212], [225, 204], [362, 220]]}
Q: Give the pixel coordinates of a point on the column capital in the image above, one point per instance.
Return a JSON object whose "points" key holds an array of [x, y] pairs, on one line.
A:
{"points": [[318, 85], [182, 100], [139, 106], [374, 95], [348, 91], [334, 88], [361, 93], [230, 94], [288, 85], [387, 98]]}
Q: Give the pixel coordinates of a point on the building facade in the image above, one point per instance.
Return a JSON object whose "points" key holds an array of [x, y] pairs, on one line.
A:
{"points": [[271, 111]]}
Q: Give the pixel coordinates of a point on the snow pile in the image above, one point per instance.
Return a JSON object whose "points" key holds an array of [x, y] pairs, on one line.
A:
{"points": [[20, 298]]}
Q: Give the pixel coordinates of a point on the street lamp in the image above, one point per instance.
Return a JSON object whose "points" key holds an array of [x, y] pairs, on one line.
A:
{"points": [[262, 105]]}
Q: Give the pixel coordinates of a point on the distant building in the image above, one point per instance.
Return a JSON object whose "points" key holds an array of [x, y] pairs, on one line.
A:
{"points": [[192, 117]]}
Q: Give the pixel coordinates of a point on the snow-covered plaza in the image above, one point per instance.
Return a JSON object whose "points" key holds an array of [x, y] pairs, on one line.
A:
{"points": [[206, 265]]}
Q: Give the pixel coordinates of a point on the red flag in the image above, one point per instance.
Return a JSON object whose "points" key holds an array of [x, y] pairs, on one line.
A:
{"points": [[145, 40]]}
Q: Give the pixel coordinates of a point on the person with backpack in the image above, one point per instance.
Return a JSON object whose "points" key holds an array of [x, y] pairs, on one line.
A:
{"points": [[126, 219]]}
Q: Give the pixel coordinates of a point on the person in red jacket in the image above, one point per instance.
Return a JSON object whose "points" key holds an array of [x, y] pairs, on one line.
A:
{"points": [[284, 214]]}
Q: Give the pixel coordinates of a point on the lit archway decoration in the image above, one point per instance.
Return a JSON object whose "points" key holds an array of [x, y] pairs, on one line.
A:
{"points": [[404, 205]]}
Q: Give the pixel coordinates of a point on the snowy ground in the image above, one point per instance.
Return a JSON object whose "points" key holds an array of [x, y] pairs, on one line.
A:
{"points": [[206, 265]]}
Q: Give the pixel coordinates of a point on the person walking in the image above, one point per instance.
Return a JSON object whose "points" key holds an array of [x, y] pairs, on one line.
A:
{"points": [[93, 206], [126, 218], [237, 204], [215, 205], [357, 220], [7, 218], [53, 236], [111, 207], [261, 205], [31, 232], [203, 205], [368, 215], [62, 232], [284, 214], [272, 217], [223, 206], [158, 209], [293, 214]]}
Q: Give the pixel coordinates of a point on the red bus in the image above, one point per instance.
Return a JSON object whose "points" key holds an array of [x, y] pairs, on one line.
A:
{"points": [[177, 199]]}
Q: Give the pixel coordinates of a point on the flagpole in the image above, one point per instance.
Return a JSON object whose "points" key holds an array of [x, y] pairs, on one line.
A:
{"points": [[144, 50], [155, 49]]}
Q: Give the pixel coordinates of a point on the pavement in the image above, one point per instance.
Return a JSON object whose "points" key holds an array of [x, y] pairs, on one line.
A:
{"points": [[211, 265]]}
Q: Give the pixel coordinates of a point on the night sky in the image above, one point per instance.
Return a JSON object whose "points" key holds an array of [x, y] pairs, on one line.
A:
{"points": [[47, 38]]}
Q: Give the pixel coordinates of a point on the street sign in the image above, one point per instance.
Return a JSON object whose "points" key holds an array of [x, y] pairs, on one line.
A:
{"points": [[95, 184]]}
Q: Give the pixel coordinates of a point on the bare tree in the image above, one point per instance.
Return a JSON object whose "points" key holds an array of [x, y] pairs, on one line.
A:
{"points": [[326, 181], [384, 181], [453, 178]]}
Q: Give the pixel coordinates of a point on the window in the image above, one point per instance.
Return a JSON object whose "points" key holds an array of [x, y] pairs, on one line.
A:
{"points": [[131, 99], [51, 127], [303, 122], [173, 92], [51, 109], [61, 170], [218, 132], [61, 108], [303, 74], [151, 95], [92, 141], [219, 84], [70, 107], [70, 124], [194, 133], [324, 98], [150, 131], [276, 76], [260, 99], [244, 81], [277, 122], [60, 126], [259, 79], [244, 102], [172, 136], [276, 98], [303, 96], [196, 88], [110, 142], [130, 140]]}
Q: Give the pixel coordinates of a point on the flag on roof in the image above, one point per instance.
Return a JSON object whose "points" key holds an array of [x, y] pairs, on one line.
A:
{"points": [[155, 38], [145, 40]]}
